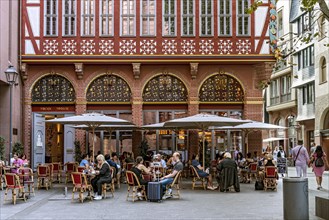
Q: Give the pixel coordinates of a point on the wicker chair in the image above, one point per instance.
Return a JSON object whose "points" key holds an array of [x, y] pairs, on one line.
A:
{"points": [[70, 168], [270, 178], [13, 184], [26, 178], [80, 185], [44, 179], [109, 186], [57, 172], [175, 185], [196, 178], [133, 186]]}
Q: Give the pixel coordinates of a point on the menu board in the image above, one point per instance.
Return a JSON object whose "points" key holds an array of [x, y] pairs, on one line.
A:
{"points": [[282, 165]]}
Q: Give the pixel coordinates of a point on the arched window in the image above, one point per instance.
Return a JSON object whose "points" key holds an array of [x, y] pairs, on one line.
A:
{"points": [[109, 88], [165, 88], [53, 88], [221, 88], [323, 70]]}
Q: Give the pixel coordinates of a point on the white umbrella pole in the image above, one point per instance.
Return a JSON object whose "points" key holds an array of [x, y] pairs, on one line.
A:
{"points": [[203, 150], [93, 129]]}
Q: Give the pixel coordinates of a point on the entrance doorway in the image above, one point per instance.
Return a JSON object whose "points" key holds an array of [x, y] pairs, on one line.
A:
{"points": [[51, 142]]}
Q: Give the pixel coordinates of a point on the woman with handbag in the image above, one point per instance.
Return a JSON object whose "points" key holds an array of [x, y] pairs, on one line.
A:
{"points": [[318, 161]]}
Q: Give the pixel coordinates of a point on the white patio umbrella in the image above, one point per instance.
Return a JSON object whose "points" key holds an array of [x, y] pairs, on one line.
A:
{"points": [[109, 128], [273, 139], [203, 122], [92, 121], [251, 127]]}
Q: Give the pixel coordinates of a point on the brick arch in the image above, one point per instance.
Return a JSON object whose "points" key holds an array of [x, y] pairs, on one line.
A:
{"points": [[37, 77], [111, 76], [171, 76], [228, 76]]}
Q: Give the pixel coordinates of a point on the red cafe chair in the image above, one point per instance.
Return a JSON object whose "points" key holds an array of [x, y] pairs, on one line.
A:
{"points": [[13, 184]]}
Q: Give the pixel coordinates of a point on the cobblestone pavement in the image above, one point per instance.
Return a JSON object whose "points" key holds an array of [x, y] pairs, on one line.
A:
{"points": [[197, 204]]}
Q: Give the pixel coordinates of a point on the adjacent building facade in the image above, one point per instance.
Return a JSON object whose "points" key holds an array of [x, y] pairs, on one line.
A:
{"points": [[146, 61], [9, 47], [298, 89]]}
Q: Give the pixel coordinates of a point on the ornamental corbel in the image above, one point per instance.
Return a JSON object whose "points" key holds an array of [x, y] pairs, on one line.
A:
{"points": [[194, 69], [24, 71], [136, 70], [79, 70]]}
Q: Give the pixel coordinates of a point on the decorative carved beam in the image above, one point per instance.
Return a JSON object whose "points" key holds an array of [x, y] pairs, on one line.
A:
{"points": [[24, 71], [194, 69], [79, 70], [136, 70]]}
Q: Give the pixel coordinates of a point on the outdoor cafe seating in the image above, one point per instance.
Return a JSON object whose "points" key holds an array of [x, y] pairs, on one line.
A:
{"points": [[13, 184], [270, 178], [80, 185], [70, 167], [56, 172], [26, 178], [175, 185], [133, 186], [109, 186], [43, 174], [197, 178], [253, 170]]}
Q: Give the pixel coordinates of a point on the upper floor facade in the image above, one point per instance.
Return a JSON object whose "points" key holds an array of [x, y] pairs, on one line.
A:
{"points": [[128, 28]]}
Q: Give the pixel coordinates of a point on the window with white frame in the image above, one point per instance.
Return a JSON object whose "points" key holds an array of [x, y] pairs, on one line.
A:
{"points": [[128, 15], [224, 17], [323, 70], [206, 17], [148, 22], [87, 17], [308, 93], [169, 17], [187, 17], [106, 18], [304, 23], [50, 17], [305, 57], [243, 17], [280, 23], [69, 17]]}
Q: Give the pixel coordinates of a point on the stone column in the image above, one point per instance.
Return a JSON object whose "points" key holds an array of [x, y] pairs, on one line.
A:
{"points": [[27, 126], [80, 135], [137, 119]]}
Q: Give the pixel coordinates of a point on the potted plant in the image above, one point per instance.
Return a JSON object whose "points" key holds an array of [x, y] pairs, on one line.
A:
{"points": [[18, 148], [2, 148], [77, 151]]}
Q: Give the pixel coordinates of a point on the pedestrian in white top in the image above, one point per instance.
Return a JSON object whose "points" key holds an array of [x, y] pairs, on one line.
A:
{"points": [[301, 159]]}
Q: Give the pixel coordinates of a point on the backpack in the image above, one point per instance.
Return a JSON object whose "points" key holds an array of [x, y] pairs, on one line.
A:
{"points": [[319, 162], [259, 185]]}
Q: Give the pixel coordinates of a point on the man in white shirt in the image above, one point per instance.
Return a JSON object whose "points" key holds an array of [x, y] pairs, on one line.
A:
{"points": [[301, 158]]}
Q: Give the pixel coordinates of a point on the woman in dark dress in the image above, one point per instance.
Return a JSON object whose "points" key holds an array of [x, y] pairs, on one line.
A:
{"points": [[139, 169], [103, 175]]}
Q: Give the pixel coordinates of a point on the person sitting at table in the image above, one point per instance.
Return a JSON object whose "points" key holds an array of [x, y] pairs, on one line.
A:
{"points": [[168, 179], [85, 161], [196, 164], [116, 160], [17, 163], [103, 175], [129, 158], [25, 160], [268, 161], [162, 161], [228, 173], [139, 169], [111, 163]]}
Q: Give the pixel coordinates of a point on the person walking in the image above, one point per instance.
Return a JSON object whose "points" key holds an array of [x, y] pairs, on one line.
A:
{"points": [[318, 161], [301, 159], [313, 148]]}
